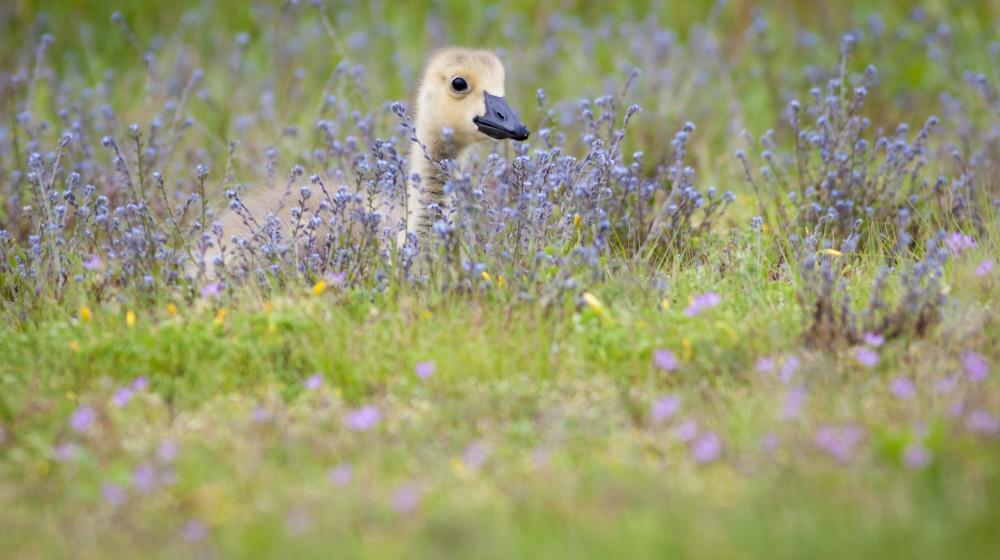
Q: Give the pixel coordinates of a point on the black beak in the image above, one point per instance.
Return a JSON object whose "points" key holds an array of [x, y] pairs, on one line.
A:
{"points": [[500, 121]]}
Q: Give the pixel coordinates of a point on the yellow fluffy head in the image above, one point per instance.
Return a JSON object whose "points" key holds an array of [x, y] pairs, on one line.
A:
{"points": [[463, 90]]}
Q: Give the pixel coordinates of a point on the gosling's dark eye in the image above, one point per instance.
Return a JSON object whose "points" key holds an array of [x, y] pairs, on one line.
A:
{"points": [[459, 84]]}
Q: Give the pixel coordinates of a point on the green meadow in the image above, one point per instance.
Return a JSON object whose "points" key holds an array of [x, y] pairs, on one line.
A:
{"points": [[771, 379]]}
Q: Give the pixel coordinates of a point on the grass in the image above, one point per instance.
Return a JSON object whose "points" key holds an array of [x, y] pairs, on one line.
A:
{"points": [[540, 432]]}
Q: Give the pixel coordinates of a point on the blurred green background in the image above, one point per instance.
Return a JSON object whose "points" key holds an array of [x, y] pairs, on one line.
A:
{"points": [[727, 66]]}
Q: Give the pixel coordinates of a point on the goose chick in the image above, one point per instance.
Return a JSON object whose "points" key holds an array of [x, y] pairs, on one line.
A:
{"points": [[459, 103], [461, 91]]}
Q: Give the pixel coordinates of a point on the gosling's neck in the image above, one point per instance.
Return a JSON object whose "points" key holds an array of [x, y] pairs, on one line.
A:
{"points": [[430, 189]]}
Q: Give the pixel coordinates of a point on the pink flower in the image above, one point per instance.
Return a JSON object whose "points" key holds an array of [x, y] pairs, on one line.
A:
{"points": [[122, 396], [92, 263], [793, 402], [702, 302], [114, 494], [706, 448], [194, 531], [314, 382], [665, 360], [764, 365], [916, 456], [363, 418], [984, 268], [788, 368], [664, 408], [82, 418], [867, 357], [340, 475], [982, 422], [686, 431], [976, 367], [405, 498], [423, 370], [211, 289], [902, 387], [873, 340], [475, 455], [958, 242]]}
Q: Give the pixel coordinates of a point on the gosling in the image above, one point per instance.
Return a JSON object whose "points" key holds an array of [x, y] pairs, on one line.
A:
{"points": [[459, 103]]}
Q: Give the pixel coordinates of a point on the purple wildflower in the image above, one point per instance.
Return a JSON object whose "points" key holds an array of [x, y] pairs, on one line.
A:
{"points": [[122, 396], [946, 384], [764, 365], [873, 340], [958, 242], [424, 369], [686, 431], [706, 448], [114, 494], [976, 367], [140, 383], [665, 407], [982, 422], [916, 456], [794, 399], [839, 443], [144, 478], [475, 455], [167, 451], [194, 531], [405, 498], [260, 415], [82, 418], [788, 369], [956, 409], [66, 452], [92, 263], [867, 357], [902, 387], [338, 278], [768, 442], [665, 360], [211, 289], [315, 381], [985, 268], [340, 475], [363, 418], [702, 302]]}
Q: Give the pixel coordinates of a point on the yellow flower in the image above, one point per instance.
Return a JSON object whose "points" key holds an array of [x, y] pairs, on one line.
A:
{"points": [[665, 304], [832, 253], [85, 315], [459, 466], [268, 307], [764, 228], [427, 314], [130, 318], [171, 309], [686, 344], [220, 316], [74, 346], [318, 287], [641, 325], [486, 276], [593, 302], [272, 328], [576, 220], [500, 281]]}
